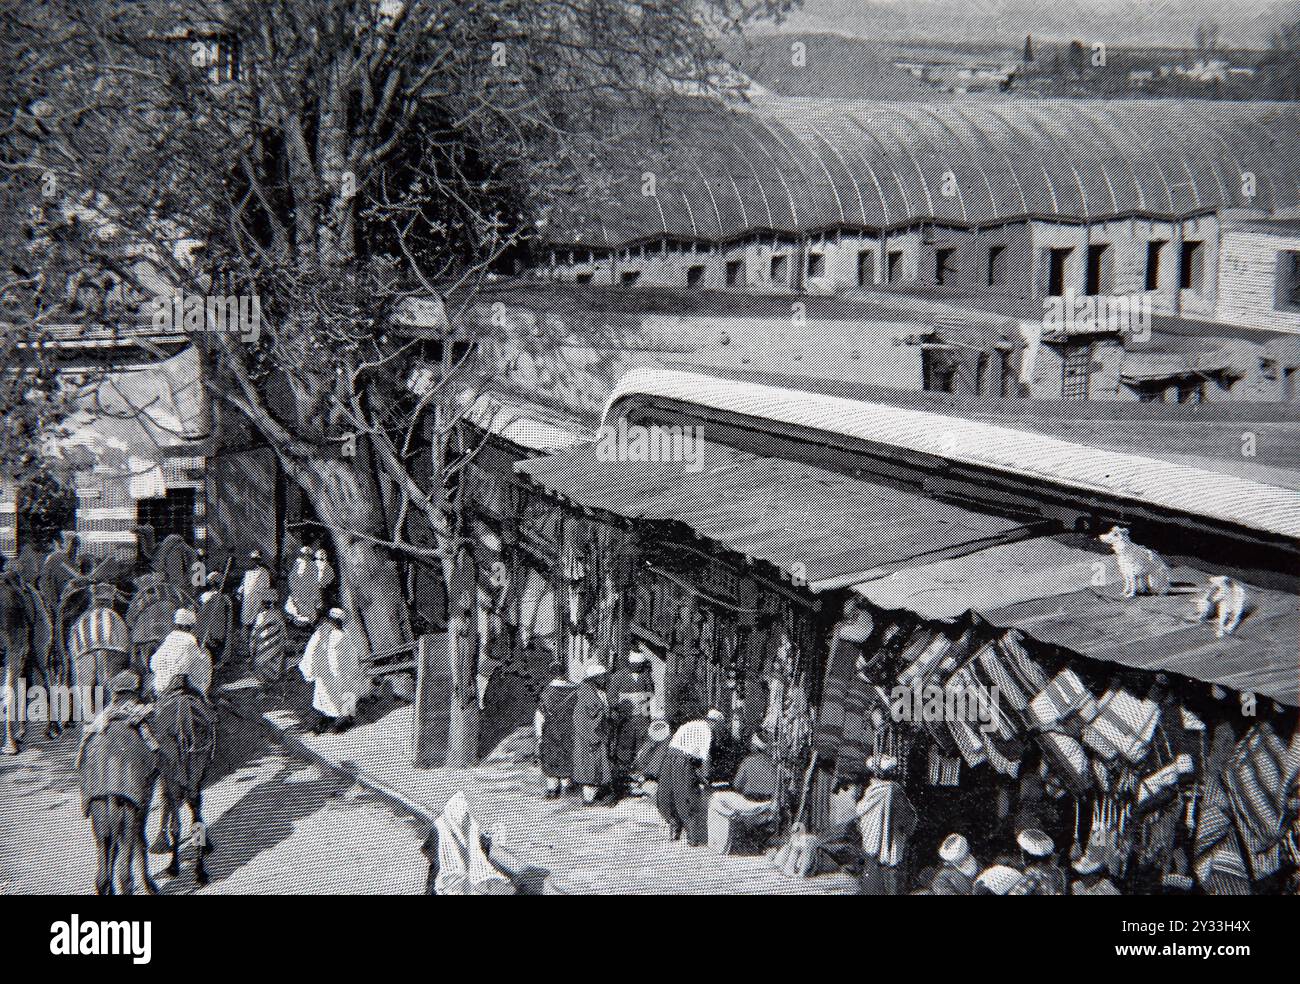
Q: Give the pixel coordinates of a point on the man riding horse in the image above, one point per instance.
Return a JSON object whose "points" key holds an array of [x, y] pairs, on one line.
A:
{"points": [[117, 764], [186, 727]]}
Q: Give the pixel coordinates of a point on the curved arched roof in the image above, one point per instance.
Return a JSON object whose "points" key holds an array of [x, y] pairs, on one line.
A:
{"points": [[795, 166]]}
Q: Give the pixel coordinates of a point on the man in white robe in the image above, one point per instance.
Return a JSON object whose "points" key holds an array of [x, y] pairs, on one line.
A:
{"points": [[331, 662], [458, 853], [180, 655], [255, 585]]}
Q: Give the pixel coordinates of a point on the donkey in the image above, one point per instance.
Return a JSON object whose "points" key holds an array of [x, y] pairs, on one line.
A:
{"points": [[185, 725]]}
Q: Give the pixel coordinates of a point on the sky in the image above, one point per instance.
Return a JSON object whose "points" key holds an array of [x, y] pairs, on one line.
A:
{"points": [[1158, 22]]}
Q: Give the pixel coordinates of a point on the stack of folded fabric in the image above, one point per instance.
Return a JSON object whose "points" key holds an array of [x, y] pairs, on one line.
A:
{"points": [[1121, 725]]}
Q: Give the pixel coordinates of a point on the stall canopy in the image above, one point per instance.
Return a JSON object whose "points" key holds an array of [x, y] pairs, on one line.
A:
{"points": [[522, 422], [824, 529], [1069, 597]]}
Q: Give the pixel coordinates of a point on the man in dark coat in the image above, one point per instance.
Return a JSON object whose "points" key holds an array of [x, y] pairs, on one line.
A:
{"points": [[591, 768], [215, 619], [630, 691], [268, 642], [685, 775], [553, 725]]}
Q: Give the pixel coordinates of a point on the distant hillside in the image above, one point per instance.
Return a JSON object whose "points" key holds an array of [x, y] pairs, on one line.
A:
{"points": [[835, 66]]}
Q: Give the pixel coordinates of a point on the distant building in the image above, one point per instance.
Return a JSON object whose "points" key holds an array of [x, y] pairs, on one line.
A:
{"points": [[1007, 205]]}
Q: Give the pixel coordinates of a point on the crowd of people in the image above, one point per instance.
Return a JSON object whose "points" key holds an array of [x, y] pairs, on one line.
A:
{"points": [[599, 739], [256, 626]]}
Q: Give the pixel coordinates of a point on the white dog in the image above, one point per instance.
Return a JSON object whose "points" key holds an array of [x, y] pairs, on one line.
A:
{"points": [[1143, 570], [1226, 598]]}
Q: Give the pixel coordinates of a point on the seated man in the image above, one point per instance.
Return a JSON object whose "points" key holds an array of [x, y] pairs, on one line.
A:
{"points": [[749, 802]]}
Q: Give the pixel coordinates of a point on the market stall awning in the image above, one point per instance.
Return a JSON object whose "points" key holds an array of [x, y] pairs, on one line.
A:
{"points": [[1063, 595], [824, 529], [136, 418], [1160, 633], [523, 423], [992, 578]]}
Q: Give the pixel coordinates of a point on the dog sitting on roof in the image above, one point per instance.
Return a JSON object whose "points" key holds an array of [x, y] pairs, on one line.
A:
{"points": [[1226, 598], [1143, 570]]}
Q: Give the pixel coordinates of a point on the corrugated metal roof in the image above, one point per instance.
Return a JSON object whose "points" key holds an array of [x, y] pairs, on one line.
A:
{"points": [[1159, 633], [526, 424], [814, 525], [792, 165], [1069, 597], [1151, 481], [988, 579]]}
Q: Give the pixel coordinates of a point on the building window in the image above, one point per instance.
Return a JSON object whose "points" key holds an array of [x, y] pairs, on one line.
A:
{"points": [[780, 268], [816, 264], [894, 266], [694, 274], [1096, 279], [172, 513], [1287, 293], [629, 277], [866, 268], [998, 266], [945, 265], [1153, 263], [1057, 258], [1076, 368], [1191, 265], [735, 273]]}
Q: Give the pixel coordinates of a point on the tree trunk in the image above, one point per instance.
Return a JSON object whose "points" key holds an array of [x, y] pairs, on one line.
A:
{"points": [[346, 499], [462, 642]]}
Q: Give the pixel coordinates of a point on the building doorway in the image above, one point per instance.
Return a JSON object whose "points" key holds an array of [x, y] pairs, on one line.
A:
{"points": [[168, 514]]}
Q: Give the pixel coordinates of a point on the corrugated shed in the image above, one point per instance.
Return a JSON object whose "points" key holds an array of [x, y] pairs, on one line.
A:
{"points": [[813, 525], [795, 166], [1192, 491]]}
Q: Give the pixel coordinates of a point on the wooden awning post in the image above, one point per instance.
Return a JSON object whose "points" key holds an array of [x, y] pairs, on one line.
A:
{"points": [[432, 705]]}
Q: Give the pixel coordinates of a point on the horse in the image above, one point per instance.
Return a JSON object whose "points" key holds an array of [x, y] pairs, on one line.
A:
{"points": [[185, 726], [25, 636], [117, 771]]}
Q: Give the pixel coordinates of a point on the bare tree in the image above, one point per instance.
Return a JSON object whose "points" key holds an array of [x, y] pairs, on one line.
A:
{"points": [[335, 158]]}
